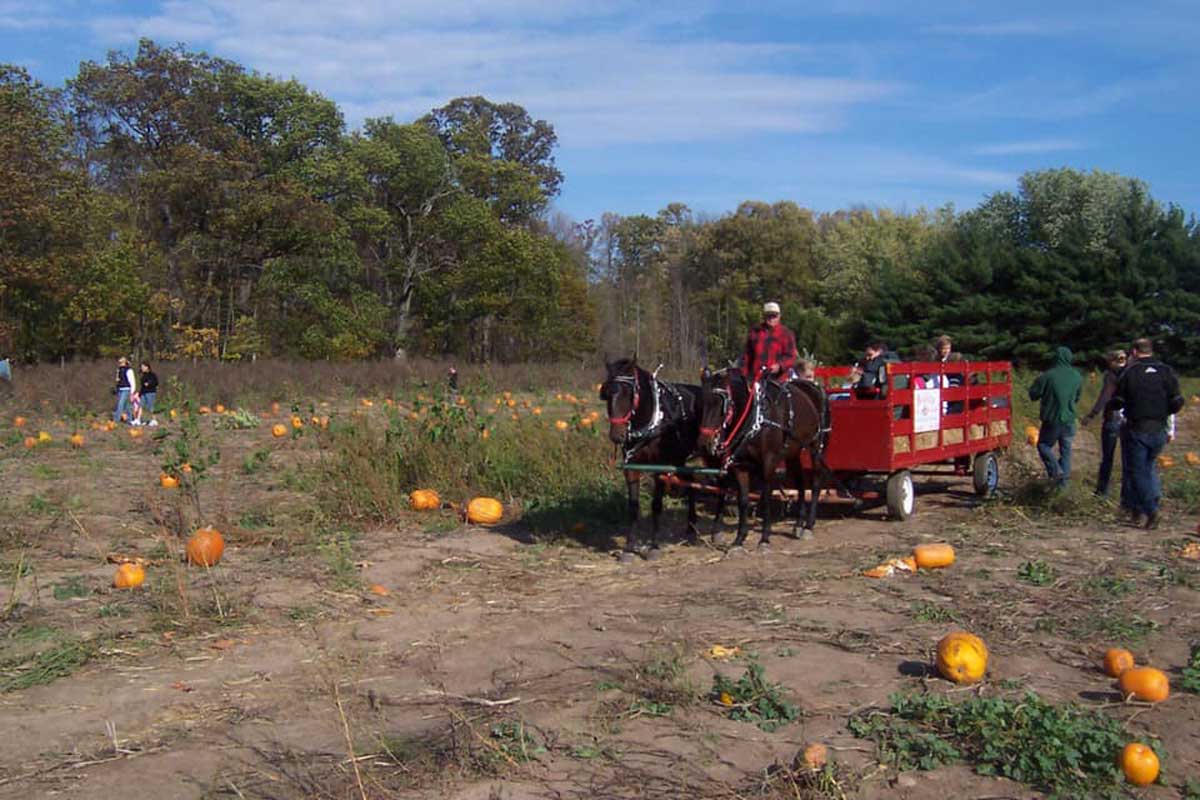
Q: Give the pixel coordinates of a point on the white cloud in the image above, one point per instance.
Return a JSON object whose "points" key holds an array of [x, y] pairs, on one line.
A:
{"points": [[599, 77], [1032, 147]]}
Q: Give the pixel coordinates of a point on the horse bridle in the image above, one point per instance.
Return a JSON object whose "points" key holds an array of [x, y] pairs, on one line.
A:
{"points": [[633, 381]]}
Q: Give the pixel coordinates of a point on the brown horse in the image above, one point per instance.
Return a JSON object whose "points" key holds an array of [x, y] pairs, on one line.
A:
{"points": [[755, 429], [654, 422]]}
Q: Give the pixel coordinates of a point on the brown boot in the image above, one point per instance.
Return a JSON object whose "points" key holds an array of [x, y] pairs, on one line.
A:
{"points": [[1152, 522]]}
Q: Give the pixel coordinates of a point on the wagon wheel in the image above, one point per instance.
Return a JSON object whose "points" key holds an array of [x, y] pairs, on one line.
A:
{"points": [[986, 474], [901, 496]]}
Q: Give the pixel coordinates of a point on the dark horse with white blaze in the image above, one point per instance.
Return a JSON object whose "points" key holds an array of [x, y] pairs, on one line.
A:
{"points": [[654, 422], [753, 431]]}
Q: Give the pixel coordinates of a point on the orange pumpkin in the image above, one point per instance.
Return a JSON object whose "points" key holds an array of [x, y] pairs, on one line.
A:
{"points": [[278, 431], [1192, 458], [168, 481], [77, 440], [1139, 763], [424, 500], [220, 409], [562, 424], [297, 423], [135, 433], [1145, 683], [933, 556], [185, 468], [19, 422], [30, 442], [484, 511], [1165, 461], [129, 576], [274, 408], [1031, 434], [205, 547], [1116, 661], [204, 410], [815, 756], [962, 657]]}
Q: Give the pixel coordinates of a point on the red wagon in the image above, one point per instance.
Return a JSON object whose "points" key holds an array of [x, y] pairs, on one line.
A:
{"points": [[933, 418]]}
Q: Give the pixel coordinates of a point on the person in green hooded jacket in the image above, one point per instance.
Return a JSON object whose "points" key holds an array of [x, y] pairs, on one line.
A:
{"points": [[1058, 389]]}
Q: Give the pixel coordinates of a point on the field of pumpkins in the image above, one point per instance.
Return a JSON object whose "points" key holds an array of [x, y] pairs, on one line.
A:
{"points": [[415, 593]]}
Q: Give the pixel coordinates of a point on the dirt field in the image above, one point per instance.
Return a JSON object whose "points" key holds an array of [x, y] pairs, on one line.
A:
{"points": [[439, 659]]}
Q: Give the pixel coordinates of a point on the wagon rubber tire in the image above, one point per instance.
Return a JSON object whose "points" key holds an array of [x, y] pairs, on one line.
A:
{"points": [[985, 474], [901, 495]]}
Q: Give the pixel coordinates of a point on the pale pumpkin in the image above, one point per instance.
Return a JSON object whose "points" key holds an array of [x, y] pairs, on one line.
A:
{"points": [[206, 547], [1145, 683], [962, 657], [278, 431], [129, 576], [933, 556], [1116, 661], [484, 511], [424, 500], [1139, 763]]}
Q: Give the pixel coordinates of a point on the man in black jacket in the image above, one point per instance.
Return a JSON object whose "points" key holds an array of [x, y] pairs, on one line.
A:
{"points": [[1148, 392], [869, 376]]}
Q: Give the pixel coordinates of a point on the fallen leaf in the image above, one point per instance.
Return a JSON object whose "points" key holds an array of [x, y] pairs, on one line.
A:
{"points": [[222, 644], [1190, 551], [380, 590], [181, 686], [381, 612]]}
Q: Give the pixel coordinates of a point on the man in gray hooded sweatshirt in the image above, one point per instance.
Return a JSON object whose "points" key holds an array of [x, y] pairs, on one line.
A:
{"points": [[1058, 388]]}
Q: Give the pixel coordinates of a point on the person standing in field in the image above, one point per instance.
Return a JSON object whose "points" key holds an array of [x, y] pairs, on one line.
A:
{"points": [[1058, 389], [126, 384], [1111, 419], [1148, 393], [147, 393]]}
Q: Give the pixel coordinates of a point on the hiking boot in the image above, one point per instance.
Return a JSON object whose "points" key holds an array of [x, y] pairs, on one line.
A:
{"points": [[1152, 521], [1136, 519]]}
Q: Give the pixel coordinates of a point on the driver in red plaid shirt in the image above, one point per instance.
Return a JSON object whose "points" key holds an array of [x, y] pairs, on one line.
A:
{"points": [[771, 345]]}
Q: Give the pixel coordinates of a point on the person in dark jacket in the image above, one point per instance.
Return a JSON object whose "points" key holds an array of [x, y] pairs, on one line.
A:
{"points": [[869, 376], [1111, 419], [1058, 389], [1148, 393], [147, 392]]}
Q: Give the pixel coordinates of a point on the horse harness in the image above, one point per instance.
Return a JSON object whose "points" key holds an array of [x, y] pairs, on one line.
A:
{"points": [[662, 393], [740, 436]]}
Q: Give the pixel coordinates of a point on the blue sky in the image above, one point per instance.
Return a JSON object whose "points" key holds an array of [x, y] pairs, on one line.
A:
{"points": [[830, 104]]}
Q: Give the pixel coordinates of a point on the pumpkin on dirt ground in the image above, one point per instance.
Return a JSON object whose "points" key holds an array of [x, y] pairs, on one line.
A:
{"points": [[129, 576], [1139, 763], [484, 511], [1166, 462], [815, 756], [933, 556], [30, 442], [1192, 458], [424, 500], [19, 422], [1031, 435], [77, 440], [168, 481], [1145, 683], [205, 547], [278, 431], [1116, 661], [962, 657]]}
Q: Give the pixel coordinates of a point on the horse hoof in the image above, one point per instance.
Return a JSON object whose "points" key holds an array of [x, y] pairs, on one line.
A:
{"points": [[737, 551], [806, 534], [653, 554], [625, 557], [764, 547]]}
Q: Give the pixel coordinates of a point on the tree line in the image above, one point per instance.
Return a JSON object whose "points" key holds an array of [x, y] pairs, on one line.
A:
{"points": [[175, 204]]}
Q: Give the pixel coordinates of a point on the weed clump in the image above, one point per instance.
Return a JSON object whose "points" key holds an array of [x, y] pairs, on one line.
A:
{"points": [[751, 698], [1064, 750]]}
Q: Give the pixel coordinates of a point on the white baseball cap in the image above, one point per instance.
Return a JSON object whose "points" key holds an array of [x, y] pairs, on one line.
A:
{"points": [[771, 308]]}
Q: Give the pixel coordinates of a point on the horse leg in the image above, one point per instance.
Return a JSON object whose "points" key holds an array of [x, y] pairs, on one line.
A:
{"points": [[820, 470], [743, 484], [795, 470], [656, 507], [764, 502], [633, 487], [692, 531], [723, 485]]}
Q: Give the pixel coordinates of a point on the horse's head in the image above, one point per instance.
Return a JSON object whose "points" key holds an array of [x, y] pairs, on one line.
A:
{"points": [[716, 407], [622, 393]]}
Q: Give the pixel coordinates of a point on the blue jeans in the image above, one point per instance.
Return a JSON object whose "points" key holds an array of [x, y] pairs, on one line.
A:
{"points": [[1144, 486], [148, 403], [1109, 435], [122, 405], [1051, 434]]}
